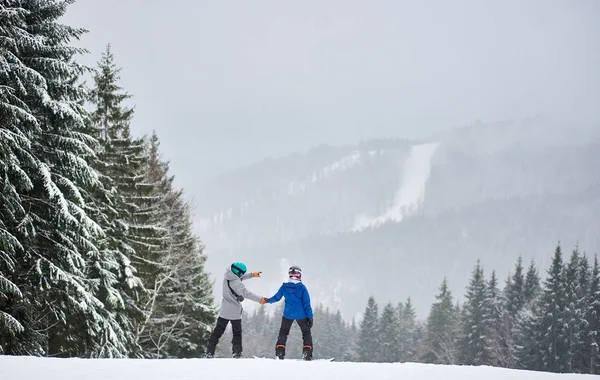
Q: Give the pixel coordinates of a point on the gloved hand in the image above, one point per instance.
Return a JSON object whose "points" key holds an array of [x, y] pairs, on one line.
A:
{"points": [[309, 322], [263, 300], [256, 274]]}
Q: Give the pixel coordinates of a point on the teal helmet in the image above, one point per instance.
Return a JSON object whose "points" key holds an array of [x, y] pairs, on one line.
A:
{"points": [[238, 268]]}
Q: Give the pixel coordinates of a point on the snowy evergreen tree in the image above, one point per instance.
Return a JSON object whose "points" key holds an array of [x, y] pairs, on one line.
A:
{"points": [[180, 316], [116, 163], [576, 298], [526, 336], [17, 127], [45, 122], [582, 354], [353, 350], [531, 288], [368, 339], [401, 340], [440, 337], [389, 336], [473, 351], [326, 341], [592, 343], [409, 332], [514, 290], [544, 344], [133, 211], [497, 331], [341, 335]]}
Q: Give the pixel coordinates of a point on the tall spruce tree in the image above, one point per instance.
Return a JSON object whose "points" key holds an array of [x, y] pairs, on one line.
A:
{"points": [[47, 123], [592, 343], [514, 290], [341, 336], [17, 128], [497, 334], [409, 330], [401, 340], [582, 353], [352, 353], [389, 334], [576, 295], [189, 302], [473, 351], [532, 287], [119, 164], [148, 236], [133, 208], [544, 344], [440, 337], [368, 339]]}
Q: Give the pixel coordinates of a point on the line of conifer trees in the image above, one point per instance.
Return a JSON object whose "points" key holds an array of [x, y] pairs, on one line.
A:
{"points": [[97, 253], [551, 325]]}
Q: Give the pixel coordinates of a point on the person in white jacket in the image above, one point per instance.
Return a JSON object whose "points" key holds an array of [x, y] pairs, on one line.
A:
{"points": [[234, 292]]}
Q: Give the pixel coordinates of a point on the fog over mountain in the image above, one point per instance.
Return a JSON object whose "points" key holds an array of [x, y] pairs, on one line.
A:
{"points": [[392, 218], [325, 133]]}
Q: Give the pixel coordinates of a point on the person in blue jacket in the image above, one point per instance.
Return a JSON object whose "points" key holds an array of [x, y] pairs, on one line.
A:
{"points": [[297, 308]]}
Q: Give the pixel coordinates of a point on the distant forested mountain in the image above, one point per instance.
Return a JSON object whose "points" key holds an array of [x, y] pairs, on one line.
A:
{"points": [[391, 217]]}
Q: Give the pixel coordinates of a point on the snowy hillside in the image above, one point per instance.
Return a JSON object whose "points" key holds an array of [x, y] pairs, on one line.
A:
{"points": [[30, 368], [429, 209]]}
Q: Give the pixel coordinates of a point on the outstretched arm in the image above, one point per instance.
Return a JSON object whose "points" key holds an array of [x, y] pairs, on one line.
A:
{"points": [[240, 289], [249, 275], [306, 303], [277, 296]]}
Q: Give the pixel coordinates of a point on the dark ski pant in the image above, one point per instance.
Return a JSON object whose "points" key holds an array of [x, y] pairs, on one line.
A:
{"points": [[236, 342], [284, 330]]}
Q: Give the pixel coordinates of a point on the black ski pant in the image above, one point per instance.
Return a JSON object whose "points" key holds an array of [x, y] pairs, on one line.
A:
{"points": [[284, 330], [236, 342]]}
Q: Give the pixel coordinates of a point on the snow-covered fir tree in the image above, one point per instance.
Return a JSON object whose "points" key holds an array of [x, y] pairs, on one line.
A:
{"points": [[576, 297], [440, 341], [46, 122], [388, 331], [409, 338], [473, 351], [188, 312], [353, 349], [544, 344], [514, 290], [178, 311], [116, 163], [401, 331], [532, 286], [17, 128], [592, 343], [496, 327], [344, 337], [368, 338], [133, 209]]}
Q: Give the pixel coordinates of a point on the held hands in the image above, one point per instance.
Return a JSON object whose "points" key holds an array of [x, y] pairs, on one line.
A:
{"points": [[263, 300], [256, 274]]}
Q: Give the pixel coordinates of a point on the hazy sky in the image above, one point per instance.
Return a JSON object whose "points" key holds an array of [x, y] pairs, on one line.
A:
{"points": [[229, 82]]}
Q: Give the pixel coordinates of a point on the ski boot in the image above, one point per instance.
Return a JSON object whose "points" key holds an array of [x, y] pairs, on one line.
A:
{"points": [[307, 353], [237, 352], [280, 351]]}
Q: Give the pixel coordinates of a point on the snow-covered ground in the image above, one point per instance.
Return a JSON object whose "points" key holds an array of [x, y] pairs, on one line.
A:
{"points": [[31, 368]]}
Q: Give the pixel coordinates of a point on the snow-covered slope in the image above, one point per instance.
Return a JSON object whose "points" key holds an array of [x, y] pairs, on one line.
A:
{"points": [[29, 368], [392, 218]]}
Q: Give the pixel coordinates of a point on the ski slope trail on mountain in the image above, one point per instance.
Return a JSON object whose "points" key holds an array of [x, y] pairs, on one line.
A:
{"points": [[33, 368]]}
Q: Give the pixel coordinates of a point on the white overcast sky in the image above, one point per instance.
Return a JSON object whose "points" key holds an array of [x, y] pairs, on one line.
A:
{"points": [[226, 83]]}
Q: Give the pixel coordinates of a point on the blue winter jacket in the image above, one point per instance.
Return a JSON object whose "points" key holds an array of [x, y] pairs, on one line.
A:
{"points": [[297, 300]]}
